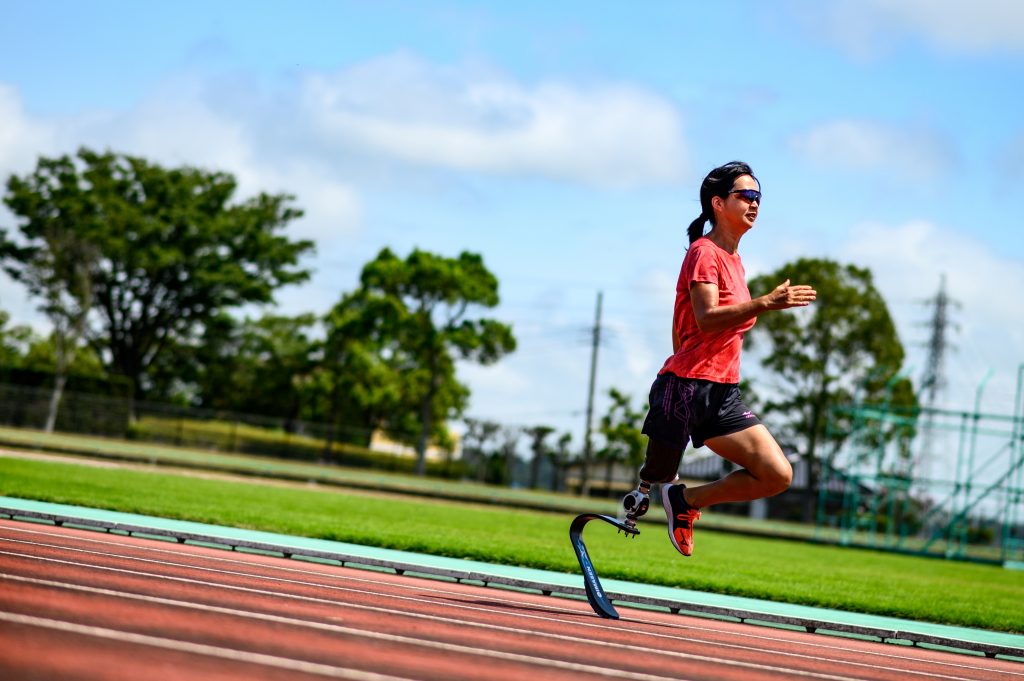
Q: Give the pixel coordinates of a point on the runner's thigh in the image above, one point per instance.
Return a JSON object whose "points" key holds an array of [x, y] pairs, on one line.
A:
{"points": [[755, 449]]}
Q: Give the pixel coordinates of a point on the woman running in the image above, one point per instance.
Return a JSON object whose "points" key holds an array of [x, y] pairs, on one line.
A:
{"points": [[696, 395]]}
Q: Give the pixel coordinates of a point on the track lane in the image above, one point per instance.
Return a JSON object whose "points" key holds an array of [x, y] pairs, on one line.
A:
{"points": [[567, 653], [111, 655], [559, 631], [304, 572]]}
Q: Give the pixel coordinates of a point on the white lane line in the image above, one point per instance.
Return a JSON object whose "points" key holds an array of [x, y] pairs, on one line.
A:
{"points": [[526, 632], [702, 630], [448, 647], [595, 625], [198, 649]]}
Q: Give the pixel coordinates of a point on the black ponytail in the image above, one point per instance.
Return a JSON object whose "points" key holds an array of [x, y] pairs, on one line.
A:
{"points": [[719, 183], [696, 228]]}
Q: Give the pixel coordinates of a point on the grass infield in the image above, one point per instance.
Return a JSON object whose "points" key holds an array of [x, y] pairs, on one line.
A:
{"points": [[855, 580]]}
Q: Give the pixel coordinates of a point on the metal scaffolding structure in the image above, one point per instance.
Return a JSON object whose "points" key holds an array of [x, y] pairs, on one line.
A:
{"points": [[970, 504]]}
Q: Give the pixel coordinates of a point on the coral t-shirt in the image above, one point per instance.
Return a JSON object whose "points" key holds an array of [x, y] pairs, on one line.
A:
{"points": [[710, 356]]}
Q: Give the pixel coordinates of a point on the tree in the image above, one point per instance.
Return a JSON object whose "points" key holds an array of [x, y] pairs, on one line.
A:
{"points": [[41, 356], [172, 249], [365, 391], [427, 300], [479, 433], [822, 354], [271, 358], [560, 457], [540, 451], [623, 441], [60, 272], [14, 342], [198, 370], [507, 454]]}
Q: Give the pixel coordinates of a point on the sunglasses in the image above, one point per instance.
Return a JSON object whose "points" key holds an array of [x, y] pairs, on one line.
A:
{"points": [[750, 195]]}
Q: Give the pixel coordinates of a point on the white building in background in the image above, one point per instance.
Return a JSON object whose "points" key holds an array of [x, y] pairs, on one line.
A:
{"points": [[380, 442]]}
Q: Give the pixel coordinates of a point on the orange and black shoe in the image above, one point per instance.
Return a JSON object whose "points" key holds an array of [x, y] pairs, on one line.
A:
{"points": [[680, 517]]}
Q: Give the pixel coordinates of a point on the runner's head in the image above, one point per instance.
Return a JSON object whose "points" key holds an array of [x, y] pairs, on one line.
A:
{"points": [[719, 182]]}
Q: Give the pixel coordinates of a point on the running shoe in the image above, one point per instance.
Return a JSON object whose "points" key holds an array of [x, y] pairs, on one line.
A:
{"points": [[680, 517]]}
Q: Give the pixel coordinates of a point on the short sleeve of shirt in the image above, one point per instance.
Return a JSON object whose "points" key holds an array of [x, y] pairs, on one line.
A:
{"points": [[703, 268]]}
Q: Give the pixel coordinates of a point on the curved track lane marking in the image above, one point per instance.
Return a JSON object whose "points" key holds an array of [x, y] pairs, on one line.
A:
{"points": [[455, 605], [528, 632], [447, 647], [595, 625], [286, 663], [443, 620]]}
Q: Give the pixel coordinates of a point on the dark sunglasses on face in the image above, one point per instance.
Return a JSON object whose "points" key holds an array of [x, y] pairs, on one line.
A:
{"points": [[750, 195]]}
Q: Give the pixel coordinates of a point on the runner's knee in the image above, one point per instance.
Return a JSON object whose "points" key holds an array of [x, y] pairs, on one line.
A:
{"points": [[778, 476]]}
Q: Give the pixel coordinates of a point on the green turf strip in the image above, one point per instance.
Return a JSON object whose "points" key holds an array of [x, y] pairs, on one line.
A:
{"points": [[270, 467], [856, 580]]}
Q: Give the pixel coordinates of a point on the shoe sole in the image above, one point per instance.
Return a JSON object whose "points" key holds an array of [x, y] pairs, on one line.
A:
{"points": [[670, 516]]}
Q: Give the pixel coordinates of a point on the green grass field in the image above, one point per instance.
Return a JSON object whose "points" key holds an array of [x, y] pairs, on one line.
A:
{"points": [[782, 570], [92, 447]]}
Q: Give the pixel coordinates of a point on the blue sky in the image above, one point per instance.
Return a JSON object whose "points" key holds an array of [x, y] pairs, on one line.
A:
{"points": [[565, 142]]}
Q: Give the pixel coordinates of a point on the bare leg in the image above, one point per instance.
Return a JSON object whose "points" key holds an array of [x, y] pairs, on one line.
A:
{"points": [[764, 472]]}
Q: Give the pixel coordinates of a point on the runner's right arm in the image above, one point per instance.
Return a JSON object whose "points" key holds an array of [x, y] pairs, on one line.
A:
{"points": [[712, 317]]}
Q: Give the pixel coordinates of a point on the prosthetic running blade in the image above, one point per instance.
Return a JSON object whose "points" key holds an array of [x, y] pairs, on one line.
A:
{"points": [[595, 593]]}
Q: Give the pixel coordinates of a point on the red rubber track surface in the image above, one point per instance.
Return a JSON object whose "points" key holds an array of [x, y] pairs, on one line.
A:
{"points": [[80, 605]]}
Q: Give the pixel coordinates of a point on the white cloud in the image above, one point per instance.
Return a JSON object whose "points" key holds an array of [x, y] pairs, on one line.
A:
{"points": [[645, 334], [21, 138], [864, 27], [472, 119], [15, 301], [181, 122], [176, 125], [987, 327], [633, 359], [500, 380], [877, 147]]}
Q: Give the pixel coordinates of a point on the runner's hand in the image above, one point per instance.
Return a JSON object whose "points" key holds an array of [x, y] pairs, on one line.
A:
{"points": [[786, 295]]}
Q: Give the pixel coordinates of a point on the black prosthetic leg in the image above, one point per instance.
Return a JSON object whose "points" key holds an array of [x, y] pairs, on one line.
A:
{"points": [[635, 504]]}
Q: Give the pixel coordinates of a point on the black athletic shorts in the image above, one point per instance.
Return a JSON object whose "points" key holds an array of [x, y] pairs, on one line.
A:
{"points": [[694, 409]]}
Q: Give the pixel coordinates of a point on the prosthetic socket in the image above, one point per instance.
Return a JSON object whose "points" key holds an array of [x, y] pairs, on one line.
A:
{"points": [[636, 503]]}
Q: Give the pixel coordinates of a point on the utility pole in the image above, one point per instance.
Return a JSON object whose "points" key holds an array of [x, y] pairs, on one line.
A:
{"points": [[587, 453]]}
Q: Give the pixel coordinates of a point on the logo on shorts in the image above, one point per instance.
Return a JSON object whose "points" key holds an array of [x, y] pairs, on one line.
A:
{"points": [[748, 415]]}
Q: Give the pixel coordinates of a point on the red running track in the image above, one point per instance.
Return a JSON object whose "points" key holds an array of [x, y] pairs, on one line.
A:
{"points": [[80, 605]]}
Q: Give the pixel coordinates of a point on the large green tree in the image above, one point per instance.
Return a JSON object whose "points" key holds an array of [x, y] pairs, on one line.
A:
{"points": [[842, 346], [429, 302], [173, 247], [363, 386], [257, 366]]}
